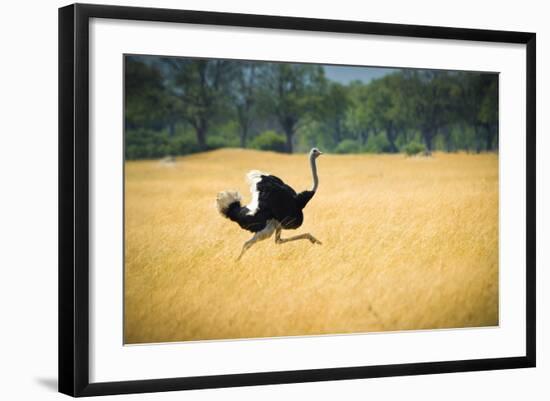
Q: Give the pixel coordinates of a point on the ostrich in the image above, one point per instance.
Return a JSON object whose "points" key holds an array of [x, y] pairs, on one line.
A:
{"points": [[275, 206]]}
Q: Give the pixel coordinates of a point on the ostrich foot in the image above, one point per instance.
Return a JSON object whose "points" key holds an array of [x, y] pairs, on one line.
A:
{"points": [[314, 240]]}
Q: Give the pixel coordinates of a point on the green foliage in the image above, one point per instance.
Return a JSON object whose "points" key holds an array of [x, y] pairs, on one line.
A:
{"points": [[223, 135], [182, 146], [145, 144], [359, 120], [145, 100], [269, 140], [290, 93], [331, 109], [347, 146], [414, 148], [313, 133], [179, 105], [220, 141], [377, 144], [150, 144]]}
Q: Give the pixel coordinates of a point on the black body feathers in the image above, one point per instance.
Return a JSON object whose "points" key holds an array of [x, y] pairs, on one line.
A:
{"points": [[271, 199], [241, 215]]}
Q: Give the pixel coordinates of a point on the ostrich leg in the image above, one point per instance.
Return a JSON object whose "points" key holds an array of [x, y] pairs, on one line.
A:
{"points": [[259, 236], [307, 236]]}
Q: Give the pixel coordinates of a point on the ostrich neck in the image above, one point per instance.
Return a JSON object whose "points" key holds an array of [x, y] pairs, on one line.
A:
{"points": [[314, 173]]}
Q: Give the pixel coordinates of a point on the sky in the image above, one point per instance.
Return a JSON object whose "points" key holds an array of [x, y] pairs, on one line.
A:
{"points": [[345, 75], [341, 74]]}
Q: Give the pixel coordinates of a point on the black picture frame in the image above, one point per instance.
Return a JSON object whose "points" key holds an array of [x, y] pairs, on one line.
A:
{"points": [[74, 198]]}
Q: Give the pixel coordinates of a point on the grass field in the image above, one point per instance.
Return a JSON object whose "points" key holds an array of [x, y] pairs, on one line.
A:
{"points": [[408, 243]]}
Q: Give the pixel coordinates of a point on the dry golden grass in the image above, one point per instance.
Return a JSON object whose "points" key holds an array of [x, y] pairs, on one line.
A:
{"points": [[408, 243]]}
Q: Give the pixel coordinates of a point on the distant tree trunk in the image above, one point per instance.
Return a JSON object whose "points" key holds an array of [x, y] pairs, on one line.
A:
{"points": [[477, 140], [363, 137], [289, 133], [405, 134], [391, 135], [490, 132], [288, 125], [338, 131], [428, 135], [244, 135], [244, 120], [393, 147], [495, 128], [171, 128], [201, 136], [447, 135]]}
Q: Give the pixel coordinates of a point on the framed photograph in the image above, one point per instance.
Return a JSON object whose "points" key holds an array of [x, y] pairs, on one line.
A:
{"points": [[251, 199]]}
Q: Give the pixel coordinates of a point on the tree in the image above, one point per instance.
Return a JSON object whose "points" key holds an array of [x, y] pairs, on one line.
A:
{"points": [[145, 96], [226, 103], [291, 92], [359, 119], [386, 107], [431, 101], [244, 95], [331, 109], [479, 106], [488, 113], [202, 87]]}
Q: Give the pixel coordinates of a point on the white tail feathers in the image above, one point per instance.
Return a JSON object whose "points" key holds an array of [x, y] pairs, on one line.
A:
{"points": [[226, 198]]}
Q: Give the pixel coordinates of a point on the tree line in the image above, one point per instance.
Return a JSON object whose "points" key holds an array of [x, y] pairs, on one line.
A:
{"points": [[179, 105]]}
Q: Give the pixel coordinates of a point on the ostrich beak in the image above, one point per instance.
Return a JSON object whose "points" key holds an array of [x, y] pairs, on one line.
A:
{"points": [[320, 153]]}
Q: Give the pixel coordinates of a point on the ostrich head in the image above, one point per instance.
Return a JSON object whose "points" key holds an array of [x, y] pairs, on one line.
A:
{"points": [[314, 153]]}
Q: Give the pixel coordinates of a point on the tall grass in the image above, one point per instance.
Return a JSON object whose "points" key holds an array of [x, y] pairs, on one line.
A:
{"points": [[408, 243]]}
